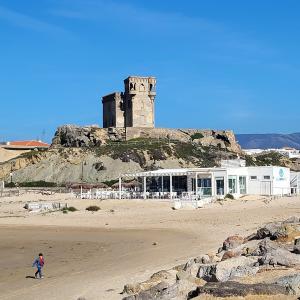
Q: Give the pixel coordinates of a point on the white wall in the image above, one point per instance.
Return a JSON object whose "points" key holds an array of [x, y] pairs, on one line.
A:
{"points": [[263, 184], [281, 181]]}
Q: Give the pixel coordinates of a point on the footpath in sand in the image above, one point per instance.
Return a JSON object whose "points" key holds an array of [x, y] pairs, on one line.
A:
{"points": [[93, 254]]}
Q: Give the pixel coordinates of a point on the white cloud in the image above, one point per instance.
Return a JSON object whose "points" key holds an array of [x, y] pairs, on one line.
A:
{"points": [[24, 21]]}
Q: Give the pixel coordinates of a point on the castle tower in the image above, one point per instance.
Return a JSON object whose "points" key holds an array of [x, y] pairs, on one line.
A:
{"points": [[134, 107], [139, 98]]}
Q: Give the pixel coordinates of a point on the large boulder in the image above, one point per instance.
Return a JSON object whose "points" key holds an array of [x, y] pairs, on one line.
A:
{"points": [[297, 246], [161, 291], [232, 288], [292, 220], [191, 267], [291, 283], [272, 230], [228, 269], [284, 232], [233, 242], [236, 267], [274, 254], [162, 276]]}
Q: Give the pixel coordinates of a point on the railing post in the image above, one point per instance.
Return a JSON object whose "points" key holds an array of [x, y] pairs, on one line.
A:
{"points": [[145, 187], [120, 188]]}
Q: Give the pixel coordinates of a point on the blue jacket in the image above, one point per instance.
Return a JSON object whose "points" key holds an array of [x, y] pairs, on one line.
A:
{"points": [[38, 263]]}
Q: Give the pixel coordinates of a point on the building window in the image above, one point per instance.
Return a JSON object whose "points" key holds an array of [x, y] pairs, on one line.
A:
{"points": [[267, 177], [232, 184], [253, 177], [243, 185]]}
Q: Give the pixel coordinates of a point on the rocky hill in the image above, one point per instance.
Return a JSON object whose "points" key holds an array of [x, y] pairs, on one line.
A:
{"points": [[93, 154]]}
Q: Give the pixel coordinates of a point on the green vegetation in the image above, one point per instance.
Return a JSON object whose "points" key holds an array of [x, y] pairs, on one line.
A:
{"points": [[134, 150], [31, 153], [229, 196], [160, 149], [10, 185], [110, 182], [265, 159], [93, 208], [72, 208], [197, 136], [40, 183], [65, 210]]}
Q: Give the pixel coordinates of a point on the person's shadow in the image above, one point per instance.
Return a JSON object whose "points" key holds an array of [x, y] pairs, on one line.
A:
{"points": [[32, 277]]}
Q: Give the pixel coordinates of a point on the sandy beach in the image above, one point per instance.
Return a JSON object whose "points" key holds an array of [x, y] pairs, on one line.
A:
{"points": [[93, 254]]}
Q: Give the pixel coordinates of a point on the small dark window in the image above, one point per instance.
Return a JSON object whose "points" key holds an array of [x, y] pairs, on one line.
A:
{"points": [[253, 177], [267, 177]]}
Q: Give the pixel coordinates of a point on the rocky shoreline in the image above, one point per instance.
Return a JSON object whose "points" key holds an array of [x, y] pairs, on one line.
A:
{"points": [[239, 268]]}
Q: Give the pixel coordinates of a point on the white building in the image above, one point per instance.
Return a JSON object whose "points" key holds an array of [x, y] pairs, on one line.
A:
{"points": [[214, 182], [295, 182]]}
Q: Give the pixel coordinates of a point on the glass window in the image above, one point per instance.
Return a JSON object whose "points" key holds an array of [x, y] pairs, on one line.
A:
{"points": [[267, 177], [253, 177], [242, 184], [232, 186], [220, 185]]}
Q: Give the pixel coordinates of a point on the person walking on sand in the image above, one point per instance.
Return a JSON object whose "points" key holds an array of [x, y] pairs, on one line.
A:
{"points": [[39, 264]]}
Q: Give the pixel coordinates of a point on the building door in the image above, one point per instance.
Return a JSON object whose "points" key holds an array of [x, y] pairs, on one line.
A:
{"points": [[265, 188], [242, 185], [220, 185]]}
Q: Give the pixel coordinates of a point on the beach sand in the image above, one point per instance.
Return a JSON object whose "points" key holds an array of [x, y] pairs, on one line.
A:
{"points": [[93, 254]]}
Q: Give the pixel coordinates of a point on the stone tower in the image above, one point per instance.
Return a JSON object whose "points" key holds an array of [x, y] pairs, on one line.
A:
{"points": [[113, 115], [134, 107]]}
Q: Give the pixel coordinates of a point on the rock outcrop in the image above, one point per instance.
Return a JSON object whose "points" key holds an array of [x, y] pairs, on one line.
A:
{"points": [[92, 136], [206, 274]]}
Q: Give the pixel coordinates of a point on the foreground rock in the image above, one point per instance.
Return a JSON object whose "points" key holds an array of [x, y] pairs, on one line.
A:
{"points": [[291, 283], [232, 288], [273, 246]]}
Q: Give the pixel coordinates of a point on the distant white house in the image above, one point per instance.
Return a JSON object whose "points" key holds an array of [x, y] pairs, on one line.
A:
{"points": [[286, 151]]}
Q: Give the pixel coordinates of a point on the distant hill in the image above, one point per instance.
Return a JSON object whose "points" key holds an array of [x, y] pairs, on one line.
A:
{"points": [[272, 140]]}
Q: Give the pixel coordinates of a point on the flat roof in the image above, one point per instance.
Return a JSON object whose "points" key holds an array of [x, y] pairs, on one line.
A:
{"points": [[189, 171], [173, 172]]}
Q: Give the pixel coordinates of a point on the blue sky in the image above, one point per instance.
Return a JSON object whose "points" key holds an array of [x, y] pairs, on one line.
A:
{"points": [[219, 64]]}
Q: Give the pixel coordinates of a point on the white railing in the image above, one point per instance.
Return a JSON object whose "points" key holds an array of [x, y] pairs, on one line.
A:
{"points": [[110, 194]]}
